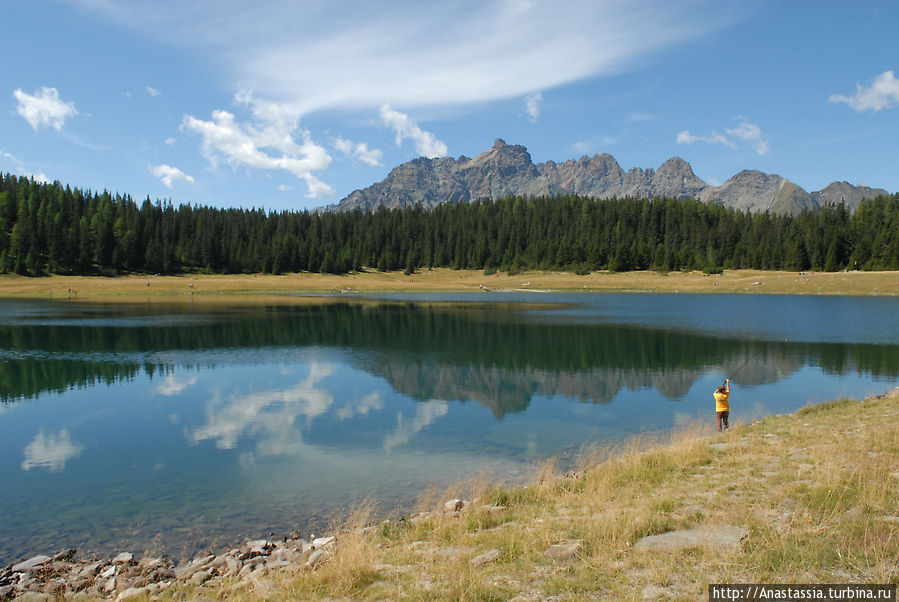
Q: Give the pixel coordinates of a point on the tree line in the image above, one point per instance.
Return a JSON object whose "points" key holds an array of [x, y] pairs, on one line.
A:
{"points": [[47, 228]]}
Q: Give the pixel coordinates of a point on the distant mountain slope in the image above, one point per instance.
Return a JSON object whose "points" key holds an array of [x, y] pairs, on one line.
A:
{"points": [[507, 170], [752, 190], [846, 192]]}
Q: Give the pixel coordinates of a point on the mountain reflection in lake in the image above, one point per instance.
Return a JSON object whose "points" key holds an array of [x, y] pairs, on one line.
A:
{"points": [[172, 428]]}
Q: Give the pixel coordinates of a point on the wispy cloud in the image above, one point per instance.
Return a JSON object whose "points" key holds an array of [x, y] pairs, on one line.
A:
{"points": [[267, 142], [426, 414], [745, 130], [152, 91], [586, 147], [50, 451], [272, 411], [358, 150], [532, 105], [752, 134], [171, 386], [882, 94], [44, 108], [169, 175], [639, 117], [411, 54], [18, 167], [686, 137], [426, 144]]}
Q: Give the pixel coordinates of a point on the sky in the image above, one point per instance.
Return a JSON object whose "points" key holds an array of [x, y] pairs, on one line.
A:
{"points": [[293, 104]]}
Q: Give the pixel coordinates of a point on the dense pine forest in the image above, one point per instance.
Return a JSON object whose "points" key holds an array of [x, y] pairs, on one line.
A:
{"points": [[51, 229]]}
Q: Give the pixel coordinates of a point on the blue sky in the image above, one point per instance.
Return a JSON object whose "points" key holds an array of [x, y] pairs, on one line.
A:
{"points": [[294, 104]]}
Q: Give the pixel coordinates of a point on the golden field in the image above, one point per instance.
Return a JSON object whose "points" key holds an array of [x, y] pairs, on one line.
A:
{"points": [[448, 280]]}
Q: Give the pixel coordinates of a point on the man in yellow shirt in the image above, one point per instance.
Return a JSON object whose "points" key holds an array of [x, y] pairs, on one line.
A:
{"points": [[722, 407]]}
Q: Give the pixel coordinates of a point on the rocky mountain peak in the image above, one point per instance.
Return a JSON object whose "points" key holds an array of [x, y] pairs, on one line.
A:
{"points": [[508, 170]]}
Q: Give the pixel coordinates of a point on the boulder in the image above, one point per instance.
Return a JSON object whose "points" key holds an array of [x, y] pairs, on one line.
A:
{"points": [[487, 557], [720, 538], [320, 542], [29, 565], [565, 551], [199, 578], [316, 558], [132, 593], [453, 505]]}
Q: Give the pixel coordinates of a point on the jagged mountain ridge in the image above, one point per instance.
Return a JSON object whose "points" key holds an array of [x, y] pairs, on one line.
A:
{"points": [[505, 170]]}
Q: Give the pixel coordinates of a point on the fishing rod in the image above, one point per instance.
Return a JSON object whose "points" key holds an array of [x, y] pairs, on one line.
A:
{"points": [[737, 371]]}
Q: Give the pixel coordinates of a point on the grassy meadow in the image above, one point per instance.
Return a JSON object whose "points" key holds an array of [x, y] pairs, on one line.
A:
{"points": [[448, 280]]}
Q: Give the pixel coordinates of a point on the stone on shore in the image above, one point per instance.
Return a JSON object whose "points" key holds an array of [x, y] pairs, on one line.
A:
{"points": [[566, 551], [486, 558], [29, 565], [321, 542], [131, 593], [721, 538], [123, 558]]}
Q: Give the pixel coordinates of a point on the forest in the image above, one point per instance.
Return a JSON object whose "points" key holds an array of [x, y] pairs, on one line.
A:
{"points": [[47, 228]]}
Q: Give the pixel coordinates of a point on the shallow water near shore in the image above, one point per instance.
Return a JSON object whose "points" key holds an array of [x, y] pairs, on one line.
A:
{"points": [[170, 428]]}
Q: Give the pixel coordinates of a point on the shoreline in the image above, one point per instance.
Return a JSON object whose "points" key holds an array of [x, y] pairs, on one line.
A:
{"points": [[443, 280], [620, 513]]}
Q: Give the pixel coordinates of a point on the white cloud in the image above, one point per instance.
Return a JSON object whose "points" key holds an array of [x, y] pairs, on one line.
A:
{"points": [[426, 144], [284, 187], [169, 175], [752, 134], [341, 54], [170, 141], [265, 143], [44, 108], [171, 386], [273, 412], [882, 94], [745, 130], [425, 415], [50, 451], [359, 150], [153, 91], [686, 137], [18, 167], [586, 147], [369, 403], [532, 105]]}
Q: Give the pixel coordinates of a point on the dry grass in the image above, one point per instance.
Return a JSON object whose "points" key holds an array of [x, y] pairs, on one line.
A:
{"points": [[208, 287], [818, 492]]}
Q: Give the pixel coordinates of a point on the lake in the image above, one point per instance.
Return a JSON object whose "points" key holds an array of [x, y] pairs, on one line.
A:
{"points": [[175, 427]]}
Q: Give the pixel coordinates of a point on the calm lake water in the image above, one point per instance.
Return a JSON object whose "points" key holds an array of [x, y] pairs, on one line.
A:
{"points": [[170, 428]]}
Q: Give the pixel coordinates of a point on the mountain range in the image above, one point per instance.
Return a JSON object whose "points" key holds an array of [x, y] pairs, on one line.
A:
{"points": [[507, 170]]}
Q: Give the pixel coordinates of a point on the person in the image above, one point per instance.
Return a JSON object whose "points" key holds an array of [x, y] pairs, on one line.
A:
{"points": [[722, 406]]}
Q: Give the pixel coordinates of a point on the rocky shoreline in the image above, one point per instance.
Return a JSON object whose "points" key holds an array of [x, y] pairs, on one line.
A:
{"points": [[124, 577], [63, 576]]}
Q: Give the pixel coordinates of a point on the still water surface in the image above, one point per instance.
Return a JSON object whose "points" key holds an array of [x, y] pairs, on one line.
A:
{"points": [[170, 428]]}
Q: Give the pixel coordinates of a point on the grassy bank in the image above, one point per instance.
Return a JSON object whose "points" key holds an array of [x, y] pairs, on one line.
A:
{"points": [[446, 280], [814, 497]]}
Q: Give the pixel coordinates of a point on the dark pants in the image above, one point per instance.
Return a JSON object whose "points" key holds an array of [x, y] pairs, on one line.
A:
{"points": [[722, 419]]}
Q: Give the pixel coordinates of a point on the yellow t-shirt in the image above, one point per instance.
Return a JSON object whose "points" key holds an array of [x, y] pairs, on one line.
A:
{"points": [[721, 404]]}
